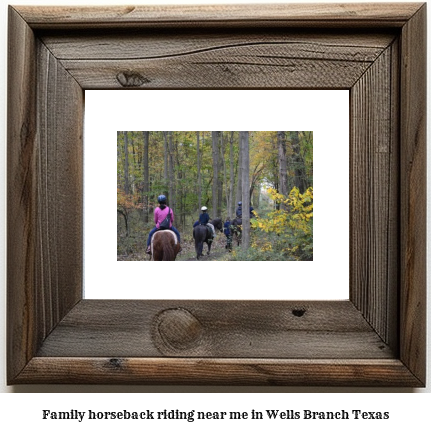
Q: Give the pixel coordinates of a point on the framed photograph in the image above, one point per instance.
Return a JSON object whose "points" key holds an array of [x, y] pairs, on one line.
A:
{"points": [[285, 250], [376, 337]]}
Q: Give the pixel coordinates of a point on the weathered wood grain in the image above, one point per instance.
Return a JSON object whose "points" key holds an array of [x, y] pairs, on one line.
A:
{"points": [[59, 180], [413, 194], [21, 194], [217, 371], [55, 337], [374, 195], [140, 44], [235, 329], [44, 193], [248, 66], [253, 15], [211, 60]]}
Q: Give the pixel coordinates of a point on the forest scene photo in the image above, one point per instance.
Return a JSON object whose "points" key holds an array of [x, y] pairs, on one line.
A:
{"points": [[215, 195]]}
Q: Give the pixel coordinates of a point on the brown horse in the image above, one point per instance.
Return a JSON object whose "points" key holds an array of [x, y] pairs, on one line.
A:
{"points": [[164, 246]]}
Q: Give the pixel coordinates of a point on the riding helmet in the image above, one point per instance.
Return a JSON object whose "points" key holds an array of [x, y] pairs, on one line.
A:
{"points": [[161, 199], [240, 203], [204, 208]]}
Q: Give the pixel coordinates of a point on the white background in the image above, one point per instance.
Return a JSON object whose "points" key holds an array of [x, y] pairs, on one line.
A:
{"points": [[324, 278], [24, 410]]}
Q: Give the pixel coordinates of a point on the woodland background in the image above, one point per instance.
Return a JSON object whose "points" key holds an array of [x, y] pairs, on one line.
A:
{"points": [[270, 170]]}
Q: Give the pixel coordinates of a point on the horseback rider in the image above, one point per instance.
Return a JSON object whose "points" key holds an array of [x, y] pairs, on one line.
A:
{"points": [[160, 214], [204, 219], [239, 211]]}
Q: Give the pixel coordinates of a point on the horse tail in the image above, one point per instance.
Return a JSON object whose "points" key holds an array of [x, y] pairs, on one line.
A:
{"points": [[199, 240], [168, 250]]}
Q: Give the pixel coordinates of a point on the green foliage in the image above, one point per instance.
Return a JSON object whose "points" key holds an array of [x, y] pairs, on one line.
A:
{"points": [[281, 236], [292, 226]]}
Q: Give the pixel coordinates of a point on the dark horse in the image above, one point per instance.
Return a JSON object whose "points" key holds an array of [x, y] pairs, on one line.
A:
{"points": [[201, 234], [217, 224], [164, 246], [237, 230]]}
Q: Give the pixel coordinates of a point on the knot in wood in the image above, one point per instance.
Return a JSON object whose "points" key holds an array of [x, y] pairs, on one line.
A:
{"points": [[131, 79], [298, 312], [178, 329]]}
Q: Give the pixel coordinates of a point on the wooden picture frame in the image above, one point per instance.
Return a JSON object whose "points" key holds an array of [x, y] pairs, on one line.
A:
{"points": [[376, 338]]}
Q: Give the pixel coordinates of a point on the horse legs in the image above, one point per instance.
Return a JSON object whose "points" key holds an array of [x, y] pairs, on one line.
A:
{"points": [[209, 243], [199, 250]]}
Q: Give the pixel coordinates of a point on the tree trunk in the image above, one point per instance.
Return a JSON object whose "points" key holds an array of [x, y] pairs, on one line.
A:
{"points": [[126, 164], [171, 193], [199, 173], [146, 136], [244, 150], [165, 162], [215, 154], [132, 164], [119, 158], [238, 196], [224, 175], [231, 208], [298, 164], [219, 180], [282, 164]]}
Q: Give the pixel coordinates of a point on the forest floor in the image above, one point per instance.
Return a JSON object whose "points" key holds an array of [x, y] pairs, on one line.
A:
{"points": [[218, 250], [188, 253]]}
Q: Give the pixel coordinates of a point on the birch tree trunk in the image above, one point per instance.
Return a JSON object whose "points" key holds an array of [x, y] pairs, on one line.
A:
{"points": [[244, 150]]}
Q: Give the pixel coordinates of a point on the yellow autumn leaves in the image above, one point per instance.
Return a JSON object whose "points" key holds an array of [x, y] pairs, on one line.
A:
{"points": [[291, 223]]}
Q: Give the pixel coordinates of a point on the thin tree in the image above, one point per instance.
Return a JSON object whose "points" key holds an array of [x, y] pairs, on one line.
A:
{"points": [[126, 164], [215, 155], [146, 190], [219, 179], [282, 164], [231, 208], [199, 172], [224, 175], [298, 163], [165, 161], [244, 150], [239, 176], [171, 193]]}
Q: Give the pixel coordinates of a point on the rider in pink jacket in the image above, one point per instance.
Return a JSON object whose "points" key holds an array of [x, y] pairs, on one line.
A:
{"points": [[160, 214]]}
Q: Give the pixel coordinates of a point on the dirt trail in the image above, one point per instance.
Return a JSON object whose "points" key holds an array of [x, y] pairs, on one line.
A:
{"points": [[213, 256]]}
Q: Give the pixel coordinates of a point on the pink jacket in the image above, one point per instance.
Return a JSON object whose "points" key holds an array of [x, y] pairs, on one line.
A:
{"points": [[159, 215]]}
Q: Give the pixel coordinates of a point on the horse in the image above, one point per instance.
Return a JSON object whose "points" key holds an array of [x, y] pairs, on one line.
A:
{"points": [[217, 223], [237, 230], [202, 234], [164, 246]]}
